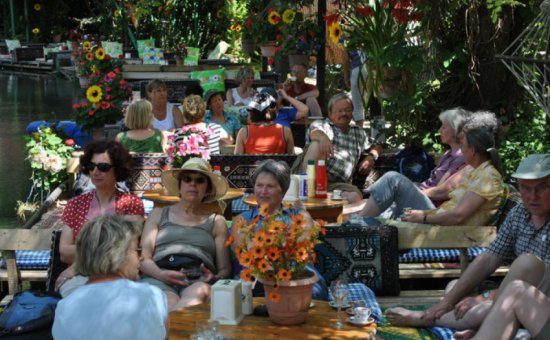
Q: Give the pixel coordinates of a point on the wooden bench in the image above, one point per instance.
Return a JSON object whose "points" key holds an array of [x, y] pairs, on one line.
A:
{"points": [[22, 239]]}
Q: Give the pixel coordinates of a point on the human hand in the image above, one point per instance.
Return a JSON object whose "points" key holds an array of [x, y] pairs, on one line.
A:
{"points": [[282, 93], [207, 275], [435, 312], [416, 216], [365, 165], [174, 277], [465, 305], [325, 147], [65, 275]]}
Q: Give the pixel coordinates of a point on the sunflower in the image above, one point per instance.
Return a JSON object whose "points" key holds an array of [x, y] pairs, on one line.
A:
{"points": [[247, 275], [284, 275], [219, 13], [258, 252], [245, 259], [298, 220], [100, 53], [116, 13], [94, 93], [259, 239], [288, 16], [273, 254], [269, 239], [335, 32], [36, 30], [275, 297], [89, 56], [235, 27], [273, 17], [86, 46], [263, 265], [301, 254], [37, 7]]}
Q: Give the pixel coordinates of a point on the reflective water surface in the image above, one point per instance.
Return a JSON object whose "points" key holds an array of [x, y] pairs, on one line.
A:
{"points": [[25, 98]]}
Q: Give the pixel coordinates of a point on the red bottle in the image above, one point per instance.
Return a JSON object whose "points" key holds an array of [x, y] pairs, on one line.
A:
{"points": [[321, 180]]}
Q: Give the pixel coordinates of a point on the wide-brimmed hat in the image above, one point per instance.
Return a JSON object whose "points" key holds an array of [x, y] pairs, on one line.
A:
{"points": [[219, 183], [209, 94], [533, 167]]}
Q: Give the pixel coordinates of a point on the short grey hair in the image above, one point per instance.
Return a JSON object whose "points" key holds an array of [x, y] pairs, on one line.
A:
{"points": [[485, 120], [102, 245], [243, 73], [279, 170], [338, 97], [455, 118], [482, 140]]}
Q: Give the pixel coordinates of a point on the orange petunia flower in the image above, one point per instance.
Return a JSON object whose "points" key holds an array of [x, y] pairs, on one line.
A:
{"points": [[263, 265], [275, 297], [284, 275], [229, 241]]}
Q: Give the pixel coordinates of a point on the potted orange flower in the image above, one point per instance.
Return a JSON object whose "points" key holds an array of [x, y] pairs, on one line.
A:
{"points": [[276, 254]]}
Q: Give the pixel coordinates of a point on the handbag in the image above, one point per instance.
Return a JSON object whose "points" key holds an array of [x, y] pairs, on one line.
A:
{"points": [[28, 311], [188, 262]]}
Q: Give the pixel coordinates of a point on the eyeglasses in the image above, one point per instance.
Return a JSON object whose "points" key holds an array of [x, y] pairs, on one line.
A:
{"points": [[197, 180], [103, 167], [538, 189]]}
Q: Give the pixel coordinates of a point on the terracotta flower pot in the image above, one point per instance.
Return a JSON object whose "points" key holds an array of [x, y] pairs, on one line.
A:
{"points": [[248, 46], [84, 82], [268, 49], [295, 297]]}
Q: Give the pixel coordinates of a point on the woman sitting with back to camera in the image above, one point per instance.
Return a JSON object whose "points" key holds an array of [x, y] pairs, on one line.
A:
{"points": [[262, 135], [141, 137], [106, 162], [474, 201], [187, 230], [111, 305]]}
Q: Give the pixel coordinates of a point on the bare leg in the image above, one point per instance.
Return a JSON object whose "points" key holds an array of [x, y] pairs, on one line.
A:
{"points": [[519, 303], [371, 208], [352, 196], [195, 294], [172, 299], [313, 153], [526, 267]]}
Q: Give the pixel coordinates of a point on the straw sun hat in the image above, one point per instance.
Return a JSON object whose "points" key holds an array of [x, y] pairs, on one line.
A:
{"points": [[219, 183]]}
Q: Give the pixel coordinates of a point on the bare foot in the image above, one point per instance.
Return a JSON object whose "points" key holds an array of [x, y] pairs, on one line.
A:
{"points": [[463, 335], [403, 317]]}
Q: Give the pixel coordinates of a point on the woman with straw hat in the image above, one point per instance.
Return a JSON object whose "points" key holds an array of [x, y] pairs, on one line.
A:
{"points": [[187, 234]]}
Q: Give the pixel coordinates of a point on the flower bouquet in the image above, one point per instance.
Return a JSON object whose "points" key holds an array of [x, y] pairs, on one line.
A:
{"points": [[106, 93], [274, 250], [186, 143], [301, 35]]}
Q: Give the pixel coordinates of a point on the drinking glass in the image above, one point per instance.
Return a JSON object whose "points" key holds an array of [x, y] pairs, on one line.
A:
{"points": [[339, 293]]}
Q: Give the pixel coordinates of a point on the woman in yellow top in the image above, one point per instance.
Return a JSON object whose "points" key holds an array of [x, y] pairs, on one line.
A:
{"points": [[474, 202]]}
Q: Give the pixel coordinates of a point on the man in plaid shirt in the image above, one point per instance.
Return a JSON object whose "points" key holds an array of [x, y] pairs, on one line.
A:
{"points": [[341, 143], [524, 236]]}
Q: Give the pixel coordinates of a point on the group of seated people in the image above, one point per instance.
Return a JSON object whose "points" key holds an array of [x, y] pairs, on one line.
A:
{"points": [[466, 188], [150, 121]]}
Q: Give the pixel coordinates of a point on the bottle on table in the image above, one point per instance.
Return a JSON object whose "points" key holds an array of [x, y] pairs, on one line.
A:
{"points": [[217, 170], [310, 178], [321, 180]]}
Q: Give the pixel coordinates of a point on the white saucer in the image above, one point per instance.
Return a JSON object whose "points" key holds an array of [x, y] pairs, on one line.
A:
{"points": [[336, 198], [333, 305], [352, 320]]}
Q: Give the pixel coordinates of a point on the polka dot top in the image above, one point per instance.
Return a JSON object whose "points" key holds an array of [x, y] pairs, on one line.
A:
{"points": [[74, 214]]}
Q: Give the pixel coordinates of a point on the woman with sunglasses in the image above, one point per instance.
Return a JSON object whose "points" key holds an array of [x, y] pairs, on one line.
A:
{"points": [[186, 230], [106, 162]]}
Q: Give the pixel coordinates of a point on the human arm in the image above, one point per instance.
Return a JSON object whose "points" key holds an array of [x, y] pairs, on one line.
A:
{"points": [[221, 234], [289, 140], [148, 242], [301, 108], [325, 144], [370, 159], [466, 207], [67, 247], [178, 117], [164, 140], [480, 269], [441, 191], [242, 136], [313, 92], [229, 96], [118, 137]]}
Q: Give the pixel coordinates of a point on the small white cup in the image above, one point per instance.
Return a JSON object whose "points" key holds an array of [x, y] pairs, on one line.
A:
{"points": [[337, 194], [362, 314]]}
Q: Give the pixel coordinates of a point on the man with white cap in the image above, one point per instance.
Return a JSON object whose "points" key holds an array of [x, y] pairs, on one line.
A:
{"points": [[524, 236]]}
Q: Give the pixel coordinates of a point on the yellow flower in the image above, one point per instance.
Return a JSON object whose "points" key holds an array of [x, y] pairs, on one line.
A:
{"points": [[116, 13], [94, 93], [288, 16], [89, 56], [86, 46], [36, 30], [273, 17], [37, 7], [219, 13], [235, 27], [100, 53], [335, 32]]}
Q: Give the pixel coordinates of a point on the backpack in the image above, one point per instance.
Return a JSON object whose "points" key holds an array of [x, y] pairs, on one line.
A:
{"points": [[414, 163], [29, 311]]}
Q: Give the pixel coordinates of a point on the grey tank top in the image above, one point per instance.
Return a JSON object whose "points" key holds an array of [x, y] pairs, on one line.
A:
{"points": [[173, 238]]}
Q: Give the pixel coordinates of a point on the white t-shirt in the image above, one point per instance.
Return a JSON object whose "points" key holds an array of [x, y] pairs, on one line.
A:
{"points": [[168, 122], [120, 309]]}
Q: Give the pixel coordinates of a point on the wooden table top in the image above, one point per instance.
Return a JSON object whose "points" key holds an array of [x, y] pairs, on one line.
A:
{"points": [[319, 325], [159, 196], [309, 204]]}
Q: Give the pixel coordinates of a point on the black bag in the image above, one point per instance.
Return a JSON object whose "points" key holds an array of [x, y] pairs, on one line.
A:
{"points": [[179, 262], [28, 311], [415, 163]]}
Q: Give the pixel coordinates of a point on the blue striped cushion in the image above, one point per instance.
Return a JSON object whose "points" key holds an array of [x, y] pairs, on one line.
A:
{"points": [[427, 255], [32, 259]]}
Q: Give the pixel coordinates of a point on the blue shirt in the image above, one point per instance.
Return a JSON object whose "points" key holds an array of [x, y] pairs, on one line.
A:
{"points": [[286, 115], [231, 126]]}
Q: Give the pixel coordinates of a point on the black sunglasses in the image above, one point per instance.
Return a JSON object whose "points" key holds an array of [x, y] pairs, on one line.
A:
{"points": [[103, 167], [197, 180]]}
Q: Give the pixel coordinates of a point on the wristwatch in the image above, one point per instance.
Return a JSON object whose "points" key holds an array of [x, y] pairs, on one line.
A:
{"points": [[486, 295]]}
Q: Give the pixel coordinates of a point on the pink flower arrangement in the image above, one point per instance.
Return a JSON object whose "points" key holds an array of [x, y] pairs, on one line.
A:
{"points": [[186, 143]]}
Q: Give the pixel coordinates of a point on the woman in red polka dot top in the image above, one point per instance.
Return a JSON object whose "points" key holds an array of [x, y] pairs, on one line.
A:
{"points": [[106, 162]]}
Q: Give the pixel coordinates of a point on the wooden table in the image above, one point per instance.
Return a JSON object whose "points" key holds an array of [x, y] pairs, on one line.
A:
{"points": [[161, 199], [319, 325], [319, 208]]}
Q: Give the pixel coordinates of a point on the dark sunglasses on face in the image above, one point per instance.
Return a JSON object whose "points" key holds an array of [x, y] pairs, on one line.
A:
{"points": [[197, 180], [103, 167]]}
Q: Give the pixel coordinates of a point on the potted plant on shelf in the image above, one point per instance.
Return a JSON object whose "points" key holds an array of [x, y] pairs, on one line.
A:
{"points": [[265, 28], [385, 31], [301, 39], [276, 253]]}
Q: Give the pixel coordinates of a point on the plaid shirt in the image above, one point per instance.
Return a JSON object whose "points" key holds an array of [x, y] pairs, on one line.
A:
{"points": [[347, 148], [517, 236]]}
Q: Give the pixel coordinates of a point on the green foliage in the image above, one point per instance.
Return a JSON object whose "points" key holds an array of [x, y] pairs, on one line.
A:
{"points": [[495, 6]]}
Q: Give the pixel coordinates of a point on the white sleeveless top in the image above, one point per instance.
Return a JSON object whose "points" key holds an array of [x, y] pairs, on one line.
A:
{"points": [[168, 122], [237, 98]]}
